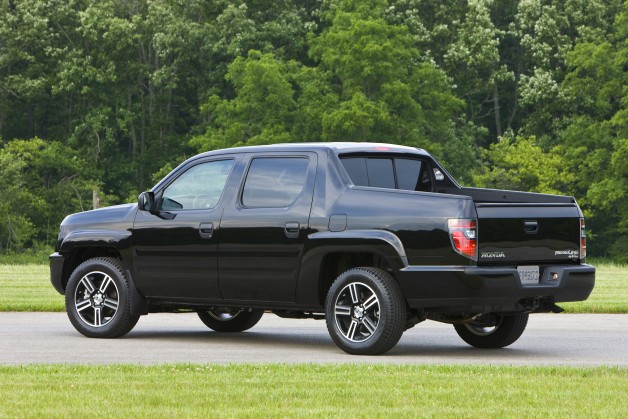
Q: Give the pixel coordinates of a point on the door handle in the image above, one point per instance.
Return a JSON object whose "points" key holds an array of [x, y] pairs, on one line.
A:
{"points": [[206, 230], [292, 230], [531, 227]]}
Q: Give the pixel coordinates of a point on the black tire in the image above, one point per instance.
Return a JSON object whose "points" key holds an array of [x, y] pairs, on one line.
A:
{"points": [[223, 319], [493, 330], [97, 299], [365, 311]]}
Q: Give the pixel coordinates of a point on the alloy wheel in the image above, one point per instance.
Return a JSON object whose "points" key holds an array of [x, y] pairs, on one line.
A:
{"points": [[96, 299], [357, 311]]}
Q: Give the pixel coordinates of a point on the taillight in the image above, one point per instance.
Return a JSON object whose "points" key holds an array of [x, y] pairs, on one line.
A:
{"points": [[583, 240], [463, 233]]}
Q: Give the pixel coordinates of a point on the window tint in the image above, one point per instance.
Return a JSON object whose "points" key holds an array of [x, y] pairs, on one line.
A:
{"points": [[392, 173], [200, 187], [408, 173], [381, 173], [274, 182], [356, 167]]}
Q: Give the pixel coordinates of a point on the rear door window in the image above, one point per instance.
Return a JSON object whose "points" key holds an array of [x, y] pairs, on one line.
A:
{"points": [[274, 182]]}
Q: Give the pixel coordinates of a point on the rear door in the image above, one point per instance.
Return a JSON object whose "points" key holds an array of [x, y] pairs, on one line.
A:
{"points": [[263, 233]]}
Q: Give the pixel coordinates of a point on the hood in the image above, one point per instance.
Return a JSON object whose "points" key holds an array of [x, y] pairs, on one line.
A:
{"points": [[118, 217]]}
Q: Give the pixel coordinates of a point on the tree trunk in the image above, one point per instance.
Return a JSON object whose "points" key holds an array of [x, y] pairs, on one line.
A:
{"points": [[498, 118], [95, 199]]}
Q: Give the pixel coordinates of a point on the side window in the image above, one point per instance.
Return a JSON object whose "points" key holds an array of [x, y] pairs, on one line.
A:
{"points": [[391, 173], [356, 168], [200, 187], [413, 175], [408, 172], [274, 182], [381, 174]]}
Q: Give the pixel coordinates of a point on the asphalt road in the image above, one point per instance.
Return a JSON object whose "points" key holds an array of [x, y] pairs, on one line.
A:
{"points": [[550, 339]]}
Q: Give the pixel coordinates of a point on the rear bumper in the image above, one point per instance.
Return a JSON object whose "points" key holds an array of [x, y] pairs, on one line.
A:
{"points": [[56, 272], [491, 289]]}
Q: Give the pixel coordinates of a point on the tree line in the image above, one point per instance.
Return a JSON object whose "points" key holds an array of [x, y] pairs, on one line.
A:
{"points": [[98, 100]]}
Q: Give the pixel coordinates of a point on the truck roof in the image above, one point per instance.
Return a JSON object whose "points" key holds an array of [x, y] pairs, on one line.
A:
{"points": [[336, 147]]}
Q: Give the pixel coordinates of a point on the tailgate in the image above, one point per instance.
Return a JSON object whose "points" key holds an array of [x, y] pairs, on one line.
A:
{"points": [[528, 232]]}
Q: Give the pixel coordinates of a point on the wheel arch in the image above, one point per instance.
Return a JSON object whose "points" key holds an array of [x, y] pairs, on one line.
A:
{"points": [[80, 254], [81, 245], [329, 254]]}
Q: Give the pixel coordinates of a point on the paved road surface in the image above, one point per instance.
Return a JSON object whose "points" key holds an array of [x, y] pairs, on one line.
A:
{"points": [[550, 339]]}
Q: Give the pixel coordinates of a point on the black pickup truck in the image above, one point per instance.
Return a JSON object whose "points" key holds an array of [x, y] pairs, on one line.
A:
{"points": [[373, 238]]}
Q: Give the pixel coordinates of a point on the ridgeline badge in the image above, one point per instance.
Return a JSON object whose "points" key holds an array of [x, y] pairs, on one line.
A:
{"points": [[569, 253]]}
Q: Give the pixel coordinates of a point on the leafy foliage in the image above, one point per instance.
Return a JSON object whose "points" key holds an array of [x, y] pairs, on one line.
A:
{"points": [[40, 182], [520, 164], [97, 99]]}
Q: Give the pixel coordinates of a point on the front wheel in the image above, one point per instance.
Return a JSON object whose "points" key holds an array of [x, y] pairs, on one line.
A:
{"points": [[365, 311], [97, 299], [493, 330], [225, 319]]}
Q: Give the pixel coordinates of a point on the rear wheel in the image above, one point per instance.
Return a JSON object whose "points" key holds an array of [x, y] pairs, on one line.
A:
{"points": [[493, 330], [365, 311], [225, 319], [97, 299]]}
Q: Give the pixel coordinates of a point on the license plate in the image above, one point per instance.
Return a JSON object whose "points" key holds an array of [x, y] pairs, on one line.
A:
{"points": [[529, 275]]}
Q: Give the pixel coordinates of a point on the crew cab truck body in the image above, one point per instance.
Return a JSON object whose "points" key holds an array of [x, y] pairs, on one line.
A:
{"points": [[374, 238]]}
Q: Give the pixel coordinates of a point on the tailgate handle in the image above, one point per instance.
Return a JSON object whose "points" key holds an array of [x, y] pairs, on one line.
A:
{"points": [[531, 227]]}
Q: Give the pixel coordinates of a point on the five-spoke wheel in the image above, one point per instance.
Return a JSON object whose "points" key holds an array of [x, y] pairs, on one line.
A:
{"points": [[97, 299], [493, 330], [356, 312], [365, 311], [227, 319]]}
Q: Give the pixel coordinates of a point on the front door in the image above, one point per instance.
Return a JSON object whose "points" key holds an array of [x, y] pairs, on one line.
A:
{"points": [[175, 246], [263, 233]]}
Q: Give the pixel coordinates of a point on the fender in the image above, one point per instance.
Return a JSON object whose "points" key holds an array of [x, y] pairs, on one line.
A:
{"points": [[371, 237], [111, 239], [320, 244], [119, 240]]}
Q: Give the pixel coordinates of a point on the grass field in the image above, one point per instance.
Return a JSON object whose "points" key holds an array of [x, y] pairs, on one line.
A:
{"points": [[27, 288], [610, 294], [312, 390]]}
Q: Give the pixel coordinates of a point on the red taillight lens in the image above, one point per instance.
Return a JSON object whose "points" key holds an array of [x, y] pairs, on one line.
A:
{"points": [[583, 240], [464, 235]]}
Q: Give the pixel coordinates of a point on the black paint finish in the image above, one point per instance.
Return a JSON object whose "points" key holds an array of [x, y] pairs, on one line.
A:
{"points": [[286, 257]]}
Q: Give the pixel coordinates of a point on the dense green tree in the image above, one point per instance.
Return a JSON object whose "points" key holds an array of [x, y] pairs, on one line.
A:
{"points": [[528, 94], [40, 182], [386, 90], [261, 111], [595, 134], [16, 230], [519, 163]]}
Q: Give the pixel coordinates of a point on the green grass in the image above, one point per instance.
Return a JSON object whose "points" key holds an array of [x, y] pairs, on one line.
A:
{"points": [[27, 288], [312, 390], [610, 294]]}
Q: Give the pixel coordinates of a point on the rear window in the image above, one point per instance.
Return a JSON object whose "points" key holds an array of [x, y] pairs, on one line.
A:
{"points": [[388, 172]]}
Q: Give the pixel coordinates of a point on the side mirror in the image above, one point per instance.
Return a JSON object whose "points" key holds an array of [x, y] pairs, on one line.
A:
{"points": [[146, 201]]}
